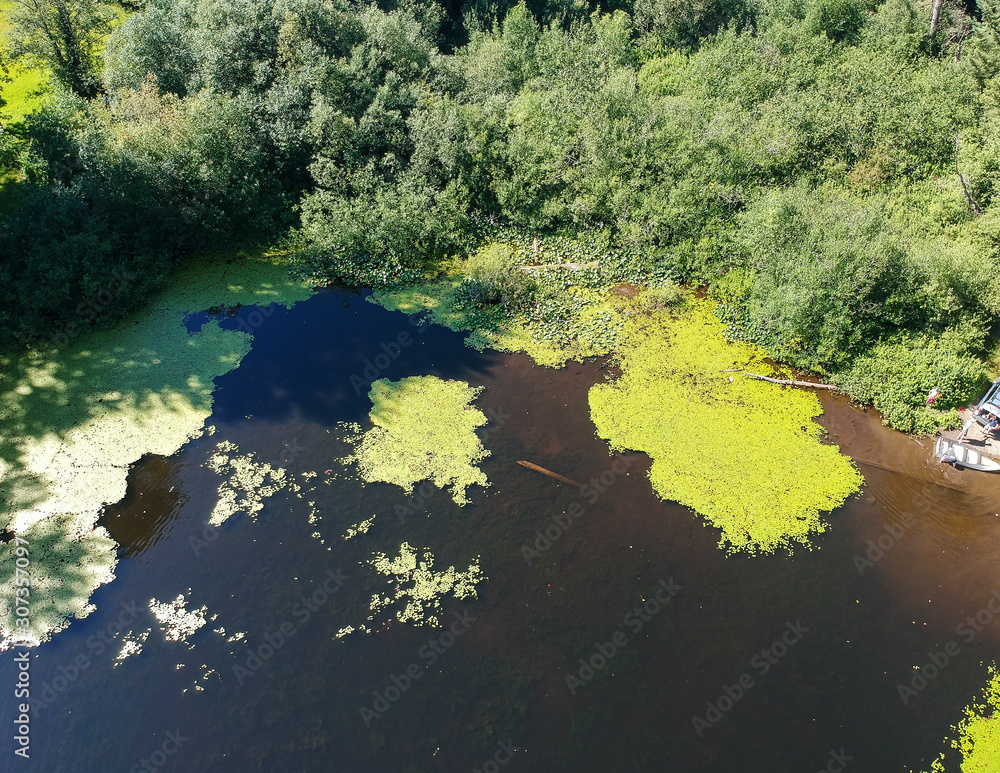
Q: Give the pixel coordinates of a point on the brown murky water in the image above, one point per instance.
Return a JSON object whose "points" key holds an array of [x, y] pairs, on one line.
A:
{"points": [[840, 626]]}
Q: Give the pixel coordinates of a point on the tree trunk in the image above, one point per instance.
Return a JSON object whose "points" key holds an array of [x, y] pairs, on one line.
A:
{"points": [[935, 14], [965, 187], [556, 475], [790, 382]]}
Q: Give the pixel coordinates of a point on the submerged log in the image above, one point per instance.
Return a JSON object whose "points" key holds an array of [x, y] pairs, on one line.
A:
{"points": [[551, 474], [790, 382]]}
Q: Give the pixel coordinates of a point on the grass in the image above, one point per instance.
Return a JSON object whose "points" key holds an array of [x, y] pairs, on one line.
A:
{"points": [[28, 86], [10, 190]]}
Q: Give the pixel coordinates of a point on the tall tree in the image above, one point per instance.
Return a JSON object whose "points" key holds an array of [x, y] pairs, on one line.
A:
{"points": [[63, 34]]}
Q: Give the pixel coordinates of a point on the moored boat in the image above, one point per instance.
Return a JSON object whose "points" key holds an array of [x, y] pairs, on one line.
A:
{"points": [[964, 455]]}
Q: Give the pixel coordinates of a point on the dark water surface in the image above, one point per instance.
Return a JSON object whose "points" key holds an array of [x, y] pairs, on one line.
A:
{"points": [[852, 631]]}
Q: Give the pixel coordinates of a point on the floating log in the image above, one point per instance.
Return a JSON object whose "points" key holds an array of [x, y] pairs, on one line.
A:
{"points": [[790, 382], [551, 474]]}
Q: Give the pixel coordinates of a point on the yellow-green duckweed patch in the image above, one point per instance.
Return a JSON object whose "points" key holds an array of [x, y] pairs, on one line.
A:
{"points": [[418, 589], [743, 453], [248, 483], [73, 420], [66, 561], [176, 621], [978, 734], [425, 429]]}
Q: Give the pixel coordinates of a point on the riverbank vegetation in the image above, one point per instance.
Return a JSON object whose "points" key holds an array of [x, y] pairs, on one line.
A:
{"points": [[827, 170]]}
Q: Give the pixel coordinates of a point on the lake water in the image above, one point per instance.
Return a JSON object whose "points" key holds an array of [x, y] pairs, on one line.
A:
{"points": [[783, 660]]}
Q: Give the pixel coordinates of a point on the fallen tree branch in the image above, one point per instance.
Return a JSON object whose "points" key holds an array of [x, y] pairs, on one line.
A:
{"points": [[551, 474], [790, 382], [560, 265]]}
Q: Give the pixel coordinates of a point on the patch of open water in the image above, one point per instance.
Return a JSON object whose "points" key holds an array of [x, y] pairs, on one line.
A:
{"points": [[782, 660]]}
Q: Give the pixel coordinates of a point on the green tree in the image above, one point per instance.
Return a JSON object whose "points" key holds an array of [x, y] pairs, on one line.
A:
{"points": [[63, 34], [153, 41]]}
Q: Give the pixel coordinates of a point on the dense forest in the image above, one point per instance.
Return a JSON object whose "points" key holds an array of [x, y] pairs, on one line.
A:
{"points": [[827, 170]]}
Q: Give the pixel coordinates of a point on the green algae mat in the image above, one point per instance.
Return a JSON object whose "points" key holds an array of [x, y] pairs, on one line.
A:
{"points": [[978, 734], [743, 453], [424, 429], [73, 419]]}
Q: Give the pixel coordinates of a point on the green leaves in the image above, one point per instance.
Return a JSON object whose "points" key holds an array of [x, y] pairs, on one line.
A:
{"points": [[896, 377], [829, 279], [64, 34]]}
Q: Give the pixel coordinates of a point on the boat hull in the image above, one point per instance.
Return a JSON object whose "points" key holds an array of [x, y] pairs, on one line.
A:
{"points": [[966, 456]]}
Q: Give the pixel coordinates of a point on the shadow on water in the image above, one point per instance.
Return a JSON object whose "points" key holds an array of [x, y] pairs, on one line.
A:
{"points": [[318, 359], [855, 622]]}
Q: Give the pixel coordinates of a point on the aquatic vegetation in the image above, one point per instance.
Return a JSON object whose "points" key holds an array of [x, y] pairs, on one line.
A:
{"points": [[177, 622], [73, 419], [359, 528], [132, 644], [425, 429], [571, 317], [248, 484], [743, 453], [418, 589], [67, 559], [978, 734]]}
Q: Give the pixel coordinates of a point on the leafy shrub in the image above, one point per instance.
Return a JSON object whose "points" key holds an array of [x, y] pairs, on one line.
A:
{"points": [[896, 377], [830, 278], [685, 23], [665, 296], [839, 20], [492, 278]]}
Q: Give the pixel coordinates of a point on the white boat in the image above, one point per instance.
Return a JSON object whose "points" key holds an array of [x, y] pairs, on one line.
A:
{"points": [[964, 455]]}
